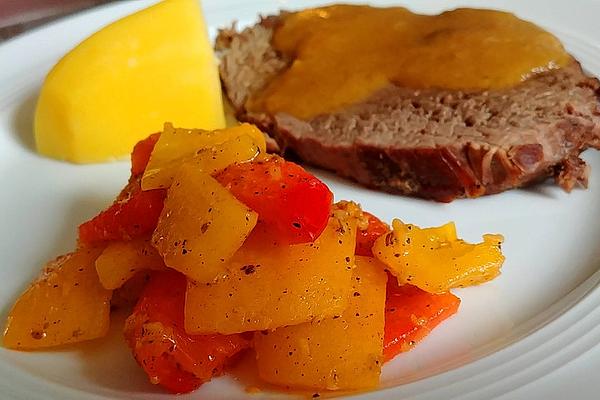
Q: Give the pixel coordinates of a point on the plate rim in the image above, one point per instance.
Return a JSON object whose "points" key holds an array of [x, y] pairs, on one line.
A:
{"points": [[585, 297]]}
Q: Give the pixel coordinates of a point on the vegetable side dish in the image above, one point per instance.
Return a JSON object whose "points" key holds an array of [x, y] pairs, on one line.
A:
{"points": [[223, 248]]}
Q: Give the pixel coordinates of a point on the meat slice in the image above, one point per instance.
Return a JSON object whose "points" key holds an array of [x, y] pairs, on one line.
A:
{"points": [[436, 144]]}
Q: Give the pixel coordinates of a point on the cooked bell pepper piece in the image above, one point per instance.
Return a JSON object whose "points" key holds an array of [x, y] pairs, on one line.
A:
{"points": [[410, 314], [141, 153], [209, 151], [133, 216], [368, 231], [201, 226], [173, 359], [292, 204], [435, 260], [121, 261]]}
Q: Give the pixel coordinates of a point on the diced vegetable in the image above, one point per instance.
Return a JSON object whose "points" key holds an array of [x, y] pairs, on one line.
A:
{"points": [[177, 145], [435, 260], [411, 313], [134, 216], [201, 225], [122, 260], [270, 285], [66, 304], [369, 229], [291, 203], [344, 352], [209, 159], [172, 358], [141, 153]]}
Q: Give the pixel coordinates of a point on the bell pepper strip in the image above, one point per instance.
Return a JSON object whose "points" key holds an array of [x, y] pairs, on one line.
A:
{"points": [[141, 153], [410, 314], [368, 231], [134, 215], [170, 357], [292, 204]]}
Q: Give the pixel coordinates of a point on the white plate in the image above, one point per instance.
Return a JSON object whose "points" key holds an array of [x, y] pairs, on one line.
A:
{"points": [[540, 314]]}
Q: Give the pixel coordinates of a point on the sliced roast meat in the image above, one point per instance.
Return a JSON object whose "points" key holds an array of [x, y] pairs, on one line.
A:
{"points": [[437, 144]]}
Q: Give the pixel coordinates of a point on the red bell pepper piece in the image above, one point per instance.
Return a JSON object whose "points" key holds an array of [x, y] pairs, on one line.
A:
{"points": [[134, 215], [366, 237], [173, 359], [293, 205], [135, 212], [141, 153], [410, 314]]}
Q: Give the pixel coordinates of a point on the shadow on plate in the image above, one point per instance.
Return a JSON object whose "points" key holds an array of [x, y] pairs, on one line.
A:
{"points": [[354, 189], [109, 364], [544, 189], [22, 122]]}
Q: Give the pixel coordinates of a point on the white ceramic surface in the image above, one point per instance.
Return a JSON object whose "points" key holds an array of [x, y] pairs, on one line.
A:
{"points": [[531, 333]]}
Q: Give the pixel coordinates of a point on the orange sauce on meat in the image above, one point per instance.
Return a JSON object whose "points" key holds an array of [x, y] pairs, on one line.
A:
{"points": [[342, 53]]}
